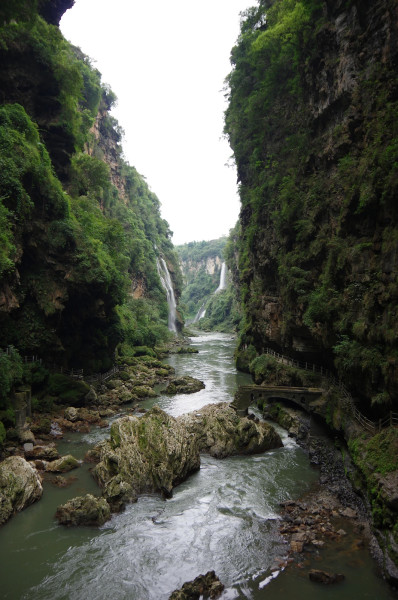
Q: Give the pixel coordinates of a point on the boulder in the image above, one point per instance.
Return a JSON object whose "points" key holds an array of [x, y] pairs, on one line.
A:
{"points": [[207, 586], [150, 454], [143, 391], [42, 452], [71, 414], [91, 396], [184, 385], [324, 577], [20, 486], [63, 464], [26, 436], [84, 510], [220, 432]]}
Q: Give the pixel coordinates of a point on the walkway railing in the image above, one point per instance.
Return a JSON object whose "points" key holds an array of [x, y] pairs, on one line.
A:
{"points": [[75, 373], [349, 404]]}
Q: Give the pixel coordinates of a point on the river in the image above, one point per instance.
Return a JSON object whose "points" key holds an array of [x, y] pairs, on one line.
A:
{"points": [[223, 518]]}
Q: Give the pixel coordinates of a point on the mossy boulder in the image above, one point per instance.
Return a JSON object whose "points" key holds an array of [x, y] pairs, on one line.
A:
{"points": [[144, 351], [151, 454], [184, 385], [220, 432], [84, 510], [20, 486], [144, 391], [295, 421], [41, 425], [185, 350], [63, 464]]}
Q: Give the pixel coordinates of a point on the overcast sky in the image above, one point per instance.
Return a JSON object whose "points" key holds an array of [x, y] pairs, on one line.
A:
{"points": [[166, 62]]}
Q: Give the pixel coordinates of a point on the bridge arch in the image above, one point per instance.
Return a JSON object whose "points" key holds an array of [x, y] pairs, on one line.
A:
{"points": [[256, 394]]}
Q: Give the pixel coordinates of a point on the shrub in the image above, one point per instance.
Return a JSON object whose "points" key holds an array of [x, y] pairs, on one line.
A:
{"points": [[67, 390], [2, 434], [44, 404], [123, 375]]}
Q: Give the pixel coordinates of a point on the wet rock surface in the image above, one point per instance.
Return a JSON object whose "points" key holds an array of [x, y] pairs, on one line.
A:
{"points": [[150, 454], [20, 486], [63, 464], [203, 586], [154, 453], [220, 432], [84, 510]]}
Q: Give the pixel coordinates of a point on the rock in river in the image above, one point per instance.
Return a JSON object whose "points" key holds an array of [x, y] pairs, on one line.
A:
{"points": [[203, 586], [221, 432], [63, 464], [325, 577], [149, 454], [84, 510], [20, 485], [184, 385]]}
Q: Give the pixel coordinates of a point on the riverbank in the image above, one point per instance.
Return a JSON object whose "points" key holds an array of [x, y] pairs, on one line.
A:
{"points": [[226, 517], [323, 518]]}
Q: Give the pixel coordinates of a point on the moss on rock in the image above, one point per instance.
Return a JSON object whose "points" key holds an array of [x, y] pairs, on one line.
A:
{"points": [[20, 486], [84, 510], [184, 385], [150, 454], [221, 432]]}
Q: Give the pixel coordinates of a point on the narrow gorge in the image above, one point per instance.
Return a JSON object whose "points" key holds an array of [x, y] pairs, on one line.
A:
{"points": [[216, 418]]}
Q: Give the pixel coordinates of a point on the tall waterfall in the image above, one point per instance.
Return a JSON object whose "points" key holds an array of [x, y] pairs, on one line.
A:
{"points": [[166, 282], [223, 278]]}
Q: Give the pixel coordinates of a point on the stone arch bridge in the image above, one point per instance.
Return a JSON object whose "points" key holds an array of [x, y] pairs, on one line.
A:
{"points": [[260, 394]]}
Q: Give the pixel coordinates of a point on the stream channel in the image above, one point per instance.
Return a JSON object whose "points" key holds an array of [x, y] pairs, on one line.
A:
{"points": [[223, 518]]}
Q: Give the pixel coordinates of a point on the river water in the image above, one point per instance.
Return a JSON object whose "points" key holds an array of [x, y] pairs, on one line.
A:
{"points": [[223, 518]]}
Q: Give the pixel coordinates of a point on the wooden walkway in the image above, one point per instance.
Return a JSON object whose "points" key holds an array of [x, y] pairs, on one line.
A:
{"points": [[373, 427]]}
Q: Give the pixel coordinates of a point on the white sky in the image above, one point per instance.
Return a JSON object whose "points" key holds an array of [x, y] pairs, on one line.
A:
{"points": [[166, 61]]}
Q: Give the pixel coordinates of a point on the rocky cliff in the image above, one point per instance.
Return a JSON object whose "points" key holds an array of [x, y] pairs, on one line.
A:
{"points": [[80, 229], [312, 121]]}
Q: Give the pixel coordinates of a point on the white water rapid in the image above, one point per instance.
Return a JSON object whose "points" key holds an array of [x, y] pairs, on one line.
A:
{"points": [[166, 282]]}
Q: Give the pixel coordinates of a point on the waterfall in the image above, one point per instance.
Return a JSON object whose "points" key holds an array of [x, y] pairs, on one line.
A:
{"points": [[201, 313], [166, 282], [223, 278]]}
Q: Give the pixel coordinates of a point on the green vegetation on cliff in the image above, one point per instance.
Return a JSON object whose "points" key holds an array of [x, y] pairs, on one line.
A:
{"points": [[312, 120], [201, 266], [80, 230]]}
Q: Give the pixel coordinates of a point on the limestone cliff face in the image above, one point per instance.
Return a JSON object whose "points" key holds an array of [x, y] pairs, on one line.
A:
{"points": [[210, 265], [80, 230], [106, 142], [313, 124]]}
